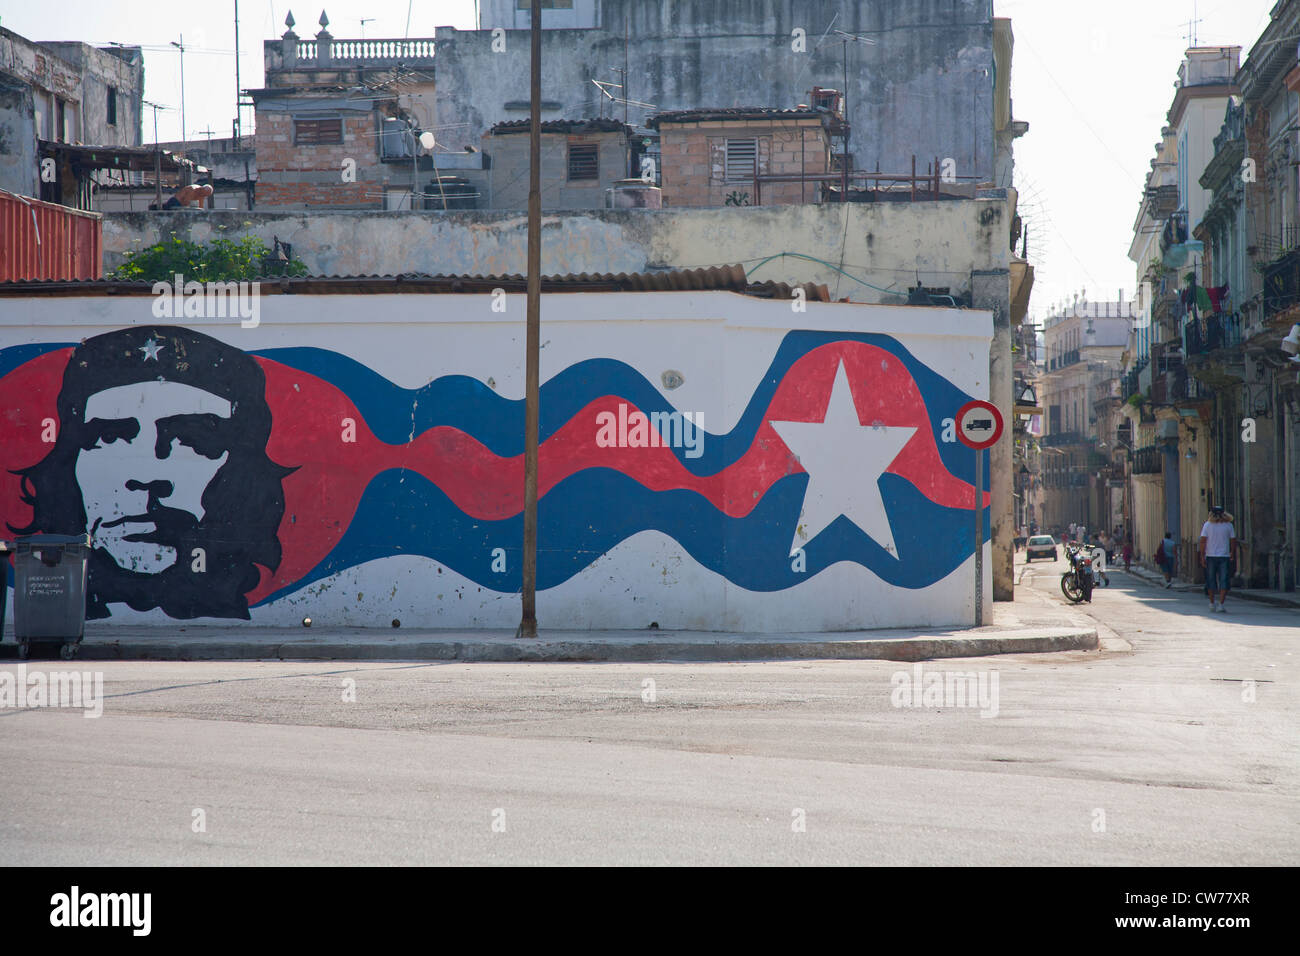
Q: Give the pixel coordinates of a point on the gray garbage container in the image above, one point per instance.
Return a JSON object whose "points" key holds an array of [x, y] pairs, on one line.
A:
{"points": [[6, 549], [50, 590]]}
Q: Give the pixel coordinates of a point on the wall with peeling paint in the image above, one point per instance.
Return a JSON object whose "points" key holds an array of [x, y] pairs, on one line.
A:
{"points": [[851, 247], [922, 86], [379, 455]]}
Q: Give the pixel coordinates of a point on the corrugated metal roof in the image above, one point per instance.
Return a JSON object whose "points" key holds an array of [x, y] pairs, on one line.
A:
{"points": [[140, 158], [736, 113], [712, 279], [46, 241], [564, 126]]}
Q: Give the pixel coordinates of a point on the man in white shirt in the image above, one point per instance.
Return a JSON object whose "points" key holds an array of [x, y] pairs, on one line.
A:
{"points": [[1218, 550]]}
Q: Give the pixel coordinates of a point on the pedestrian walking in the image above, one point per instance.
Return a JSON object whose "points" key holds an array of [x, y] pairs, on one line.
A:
{"points": [[1218, 549], [1165, 555], [1128, 554]]}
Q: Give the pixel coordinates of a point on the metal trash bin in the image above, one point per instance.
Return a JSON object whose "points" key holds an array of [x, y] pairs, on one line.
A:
{"points": [[6, 549], [50, 591]]}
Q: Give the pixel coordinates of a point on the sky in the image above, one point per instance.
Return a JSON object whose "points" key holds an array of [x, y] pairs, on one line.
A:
{"points": [[1093, 80]]}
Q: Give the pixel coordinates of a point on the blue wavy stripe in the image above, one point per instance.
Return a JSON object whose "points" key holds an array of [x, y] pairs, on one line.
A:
{"points": [[402, 513], [469, 405]]}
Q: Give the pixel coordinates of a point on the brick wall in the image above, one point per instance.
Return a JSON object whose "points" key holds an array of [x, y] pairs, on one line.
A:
{"points": [[312, 175], [694, 162]]}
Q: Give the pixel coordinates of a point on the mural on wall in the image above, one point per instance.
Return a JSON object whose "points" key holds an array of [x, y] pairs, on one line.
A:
{"points": [[214, 480]]}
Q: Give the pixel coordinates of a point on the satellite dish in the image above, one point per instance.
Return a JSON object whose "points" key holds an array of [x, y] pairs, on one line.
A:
{"points": [[427, 140]]}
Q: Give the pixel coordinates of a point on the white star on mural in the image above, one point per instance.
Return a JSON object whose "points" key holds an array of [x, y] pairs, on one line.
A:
{"points": [[844, 460], [151, 350]]}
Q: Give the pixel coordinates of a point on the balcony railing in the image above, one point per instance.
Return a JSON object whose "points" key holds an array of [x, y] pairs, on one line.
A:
{"points": [[1282, 283], [1063, 438], [1175, 232], [1215, 331], [1063, 360], [1131, 381], [1176, 385], [418, 51], [1147, 461]]}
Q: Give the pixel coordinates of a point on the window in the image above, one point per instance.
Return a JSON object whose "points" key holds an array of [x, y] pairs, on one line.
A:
{"points": [[112, 106], [546, 5], [319, 131], [742, 156], [584, 163]]}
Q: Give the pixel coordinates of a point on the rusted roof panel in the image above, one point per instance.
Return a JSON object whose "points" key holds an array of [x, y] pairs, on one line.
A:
{"points": [[712, 279]]}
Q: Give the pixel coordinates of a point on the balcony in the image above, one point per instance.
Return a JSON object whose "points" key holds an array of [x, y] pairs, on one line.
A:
{"points": [[1282, 283], [369, 53], [1063, 438], [1147, 461], [1176, 386], [1063, 360], [1175, 232], [1217, 331], [1130, 382]]}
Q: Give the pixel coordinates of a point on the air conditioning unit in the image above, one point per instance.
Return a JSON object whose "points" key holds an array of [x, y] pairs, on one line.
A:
{"points": [[1167, 428]]}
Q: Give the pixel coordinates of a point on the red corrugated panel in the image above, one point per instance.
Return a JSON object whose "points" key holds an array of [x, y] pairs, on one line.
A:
{"points": [[41, 240]]}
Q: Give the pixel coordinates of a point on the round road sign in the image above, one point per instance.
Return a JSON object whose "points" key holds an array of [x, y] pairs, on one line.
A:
{"points": [[979, 424]]}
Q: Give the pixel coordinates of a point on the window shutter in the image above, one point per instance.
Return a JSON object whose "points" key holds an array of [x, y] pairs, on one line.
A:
{"points": [[742, 159], [584, 163]]}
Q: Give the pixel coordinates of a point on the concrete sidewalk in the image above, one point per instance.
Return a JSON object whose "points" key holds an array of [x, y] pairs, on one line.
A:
{"points": [[1259, 595], [1017, 628]]}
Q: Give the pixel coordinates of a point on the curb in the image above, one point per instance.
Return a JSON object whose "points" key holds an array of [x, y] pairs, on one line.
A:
{"points": [[1240, 594], [1041, 640]]}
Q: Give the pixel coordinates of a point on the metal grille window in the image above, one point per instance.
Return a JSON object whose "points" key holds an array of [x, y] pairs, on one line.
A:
{"points": [[584, 163], [317, 131], [112, 106], [742, 159]]}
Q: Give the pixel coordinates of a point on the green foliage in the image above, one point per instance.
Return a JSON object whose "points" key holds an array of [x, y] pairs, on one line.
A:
{"points": [[222, 260], [1136, 399]]}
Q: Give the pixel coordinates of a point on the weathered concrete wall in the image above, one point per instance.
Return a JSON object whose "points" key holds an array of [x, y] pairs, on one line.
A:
{"points": [[885, 244], [101, 69], [34, 77], [358, 459], [925, 87], [19, 171]]}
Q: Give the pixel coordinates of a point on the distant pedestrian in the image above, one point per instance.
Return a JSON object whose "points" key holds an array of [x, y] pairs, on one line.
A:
{"points": [[1128, 554], [1166, 553]]}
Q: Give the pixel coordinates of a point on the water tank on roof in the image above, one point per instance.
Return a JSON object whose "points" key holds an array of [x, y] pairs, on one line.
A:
{"points": [[633, 194]]}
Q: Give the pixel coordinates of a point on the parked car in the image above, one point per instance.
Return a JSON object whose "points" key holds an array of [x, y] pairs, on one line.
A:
{"points": [[1040, 546]]}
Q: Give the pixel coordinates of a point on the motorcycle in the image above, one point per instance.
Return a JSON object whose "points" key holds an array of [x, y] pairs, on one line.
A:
{"points": [[1077, 582]]}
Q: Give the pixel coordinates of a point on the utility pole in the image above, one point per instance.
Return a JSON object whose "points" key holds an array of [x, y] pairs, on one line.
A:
{"points": [[157, 155], [181, 46], [528, 621], [238, 90]]}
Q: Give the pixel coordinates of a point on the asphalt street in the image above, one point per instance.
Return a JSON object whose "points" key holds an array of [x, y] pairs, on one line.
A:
{"points": [[1173, 744]]}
